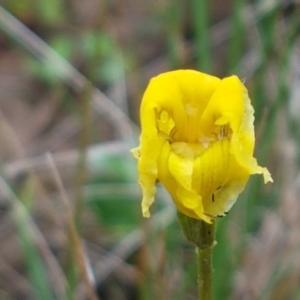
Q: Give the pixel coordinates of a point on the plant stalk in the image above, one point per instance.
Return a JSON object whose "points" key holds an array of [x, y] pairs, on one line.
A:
{"points": [[202, 235], [205, 270]]}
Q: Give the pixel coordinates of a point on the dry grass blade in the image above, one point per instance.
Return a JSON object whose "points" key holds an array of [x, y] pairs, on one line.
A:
{"points": [[75, 242], [100, 103], [21, 215], [131, 242], [12, 275], [64, 161]]}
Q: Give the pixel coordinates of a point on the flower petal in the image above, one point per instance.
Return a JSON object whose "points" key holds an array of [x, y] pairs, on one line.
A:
{"points": [[175, 173], [226, 105]]}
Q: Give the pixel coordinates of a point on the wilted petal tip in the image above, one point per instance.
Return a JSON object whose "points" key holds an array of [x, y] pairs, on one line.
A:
{"points": [[267, 176], [146, 213], [135, 152], [207, 219]]}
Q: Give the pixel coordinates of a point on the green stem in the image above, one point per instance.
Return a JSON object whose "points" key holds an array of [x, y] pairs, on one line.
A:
{"points": [[202, 235], [205, 273]]}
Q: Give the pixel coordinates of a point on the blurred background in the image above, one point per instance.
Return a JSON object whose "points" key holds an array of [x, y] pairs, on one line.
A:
{"points": [[72, 74]]}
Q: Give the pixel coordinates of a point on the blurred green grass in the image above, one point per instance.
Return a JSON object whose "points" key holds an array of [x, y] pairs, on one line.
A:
{"points": [[257, 40]]}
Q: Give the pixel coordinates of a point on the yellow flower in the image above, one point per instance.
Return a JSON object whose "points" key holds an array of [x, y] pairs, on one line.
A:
{"points": [[197, 139]]}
